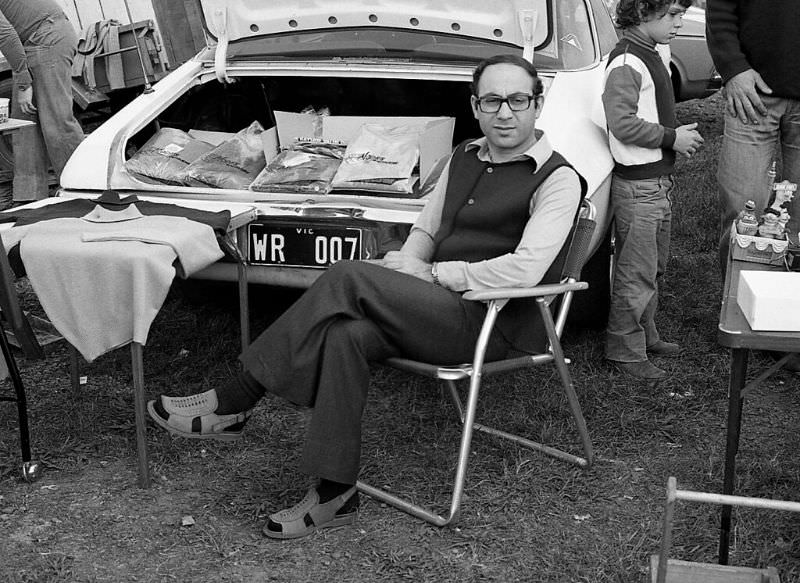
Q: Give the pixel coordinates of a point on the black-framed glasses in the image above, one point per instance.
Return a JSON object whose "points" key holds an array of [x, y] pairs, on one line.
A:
{"points": [[515, 101]]}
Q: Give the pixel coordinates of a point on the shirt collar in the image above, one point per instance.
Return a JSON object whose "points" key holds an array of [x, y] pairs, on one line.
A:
{"points": [[636, 37], [539, 152], [104, 215]]}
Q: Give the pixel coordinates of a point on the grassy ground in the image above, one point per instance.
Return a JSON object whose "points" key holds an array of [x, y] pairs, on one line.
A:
{"points": [[526, 517]]}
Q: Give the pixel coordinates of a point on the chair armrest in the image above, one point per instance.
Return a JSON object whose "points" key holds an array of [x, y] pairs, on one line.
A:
{"points": [[507, 293]]}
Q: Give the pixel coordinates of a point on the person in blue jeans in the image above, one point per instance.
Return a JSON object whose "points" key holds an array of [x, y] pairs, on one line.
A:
{"points": [[39, 43], [644, 136], [754, 45]]}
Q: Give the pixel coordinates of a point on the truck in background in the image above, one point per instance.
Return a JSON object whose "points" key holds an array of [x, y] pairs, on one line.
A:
{"points": [[113, 72]]}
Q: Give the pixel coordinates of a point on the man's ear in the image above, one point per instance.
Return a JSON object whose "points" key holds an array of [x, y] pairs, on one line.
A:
{"points": [[473, 101], [538, 104]]}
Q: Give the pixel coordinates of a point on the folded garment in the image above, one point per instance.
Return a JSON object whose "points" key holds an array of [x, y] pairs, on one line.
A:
{"points": [[380, 158], [308, 167], [165, 155], [234, 164]]}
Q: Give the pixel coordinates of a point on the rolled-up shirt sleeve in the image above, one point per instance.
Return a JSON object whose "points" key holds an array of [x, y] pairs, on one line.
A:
{"points": [[13, 51], [420, 241], [553, 209]]}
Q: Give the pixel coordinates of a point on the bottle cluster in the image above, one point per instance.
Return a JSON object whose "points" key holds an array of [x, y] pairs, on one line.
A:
{"points": [[772, 221]]}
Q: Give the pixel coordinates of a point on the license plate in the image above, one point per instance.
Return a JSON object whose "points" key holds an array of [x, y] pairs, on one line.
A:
{"points": [[295, 246]]}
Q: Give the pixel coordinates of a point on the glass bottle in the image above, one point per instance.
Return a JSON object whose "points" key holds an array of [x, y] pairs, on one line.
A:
{"points": [[772, 175], [747, 221]]}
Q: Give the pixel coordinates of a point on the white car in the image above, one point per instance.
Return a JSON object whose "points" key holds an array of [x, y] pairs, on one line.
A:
{"points": [[390, 58]]}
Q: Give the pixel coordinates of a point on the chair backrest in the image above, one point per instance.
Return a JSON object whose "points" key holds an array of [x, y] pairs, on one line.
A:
{"points": [[582, 234], [12, 311], [576, 258]]}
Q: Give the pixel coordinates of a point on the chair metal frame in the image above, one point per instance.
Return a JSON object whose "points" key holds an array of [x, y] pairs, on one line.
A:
{"points": [[544, 294]]}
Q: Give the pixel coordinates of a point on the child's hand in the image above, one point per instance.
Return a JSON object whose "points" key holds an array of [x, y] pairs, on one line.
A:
{"points": [[687, 140]]}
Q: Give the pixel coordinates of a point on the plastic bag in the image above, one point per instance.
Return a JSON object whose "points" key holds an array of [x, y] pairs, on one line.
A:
{"points": [[233, 164], [308, 167], [165, 155], [380, 158]]}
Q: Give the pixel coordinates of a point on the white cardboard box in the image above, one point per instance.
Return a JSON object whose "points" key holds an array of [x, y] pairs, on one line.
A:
{"points": [[770, 300], [436, 141]]}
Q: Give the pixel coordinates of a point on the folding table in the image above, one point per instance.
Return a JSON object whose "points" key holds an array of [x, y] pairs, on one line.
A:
{"points": [[232, 243], [735, 333]]}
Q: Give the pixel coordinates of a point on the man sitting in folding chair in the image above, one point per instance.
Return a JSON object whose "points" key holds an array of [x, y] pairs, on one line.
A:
{"points": [[500, 217]]}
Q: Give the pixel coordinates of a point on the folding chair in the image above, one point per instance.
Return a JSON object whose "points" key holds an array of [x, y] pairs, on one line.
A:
{"points": [[15, 318], [545, 295]]}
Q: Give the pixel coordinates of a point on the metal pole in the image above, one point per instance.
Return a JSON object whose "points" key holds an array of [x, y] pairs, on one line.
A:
{"points": [[147, 87]]}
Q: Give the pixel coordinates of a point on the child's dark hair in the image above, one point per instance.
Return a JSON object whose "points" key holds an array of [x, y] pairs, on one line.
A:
{"points": [[633, 12]]}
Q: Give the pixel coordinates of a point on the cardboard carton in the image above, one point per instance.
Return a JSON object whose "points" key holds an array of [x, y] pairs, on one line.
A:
{"points": [[770, 300], [435, 141], [757, 249]]}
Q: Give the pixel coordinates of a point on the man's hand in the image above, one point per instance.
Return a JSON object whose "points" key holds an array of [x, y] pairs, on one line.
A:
{"points": [[687, 140], [405, 263], [25, 100], [742, 96]]}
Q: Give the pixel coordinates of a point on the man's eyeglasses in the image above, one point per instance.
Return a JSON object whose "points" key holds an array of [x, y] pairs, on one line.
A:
{"points": [[515, 101]]}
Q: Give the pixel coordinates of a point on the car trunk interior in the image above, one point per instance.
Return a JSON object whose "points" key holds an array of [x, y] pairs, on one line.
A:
{"points": [[229, 108]]}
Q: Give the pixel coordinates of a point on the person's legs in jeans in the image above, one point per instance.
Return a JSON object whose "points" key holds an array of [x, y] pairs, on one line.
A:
{"points": [[790, 154], [642, 216], [51, 50], [745, 158]]}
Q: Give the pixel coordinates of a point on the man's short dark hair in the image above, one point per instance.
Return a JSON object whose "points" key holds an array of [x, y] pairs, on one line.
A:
{"points": [[538, 88], [633, 12]]}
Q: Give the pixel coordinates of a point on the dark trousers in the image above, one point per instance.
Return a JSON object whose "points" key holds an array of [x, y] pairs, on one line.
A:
{"points": [[317, 353]]}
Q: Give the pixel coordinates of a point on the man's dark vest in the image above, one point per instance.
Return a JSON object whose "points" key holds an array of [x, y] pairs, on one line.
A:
{"points": [[485, 211]]}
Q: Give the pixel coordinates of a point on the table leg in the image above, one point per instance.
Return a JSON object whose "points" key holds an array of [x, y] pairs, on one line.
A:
{"points": [[139, 406], [736, 382], [74, 371], [244, 305]]}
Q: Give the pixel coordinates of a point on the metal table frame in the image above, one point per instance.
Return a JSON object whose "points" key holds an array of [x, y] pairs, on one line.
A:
{"points": [[234, 243], [233, 247], [735, 333]]}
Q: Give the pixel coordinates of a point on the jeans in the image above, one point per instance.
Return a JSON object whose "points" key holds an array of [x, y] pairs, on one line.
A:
{"points": [[49, 51], [642, 216], [746, 155]]}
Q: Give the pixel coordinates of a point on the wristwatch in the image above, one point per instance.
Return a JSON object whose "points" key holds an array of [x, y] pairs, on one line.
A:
{"points": [[435, 273]]}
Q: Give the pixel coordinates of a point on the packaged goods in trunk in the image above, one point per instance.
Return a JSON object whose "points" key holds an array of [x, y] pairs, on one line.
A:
{"points": [[427, 140], [234, 164], [381, 158], [308, 166], [164, 156]]}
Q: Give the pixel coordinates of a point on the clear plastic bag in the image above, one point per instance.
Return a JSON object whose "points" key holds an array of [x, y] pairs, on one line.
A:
{"points": [[380, 158], [308, 167], [234, 164], [165, 155]]}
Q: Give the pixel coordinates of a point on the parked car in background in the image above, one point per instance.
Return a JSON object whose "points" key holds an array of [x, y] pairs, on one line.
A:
{"points": [[693, 73], [409, 58]]}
